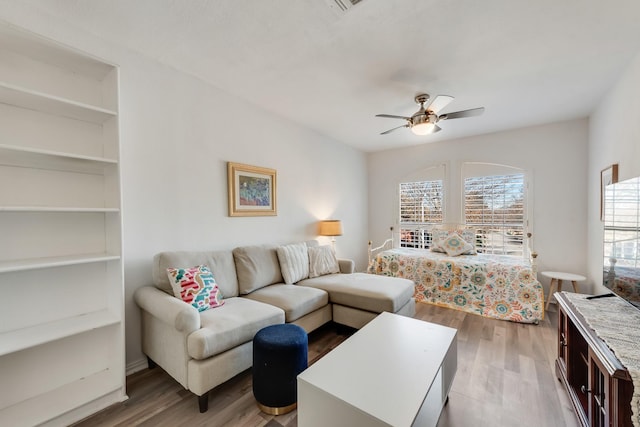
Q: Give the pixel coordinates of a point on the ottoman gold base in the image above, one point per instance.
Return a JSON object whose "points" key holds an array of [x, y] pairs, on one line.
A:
{"points": [[277, 411]]}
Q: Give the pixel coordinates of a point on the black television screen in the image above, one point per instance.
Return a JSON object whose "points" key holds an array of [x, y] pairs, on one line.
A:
{"points": [[621, 214]]}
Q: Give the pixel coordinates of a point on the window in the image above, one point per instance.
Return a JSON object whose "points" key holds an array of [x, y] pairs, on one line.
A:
{"points": [[622, 227], [420, 205], [491, 198], [495, 205]]}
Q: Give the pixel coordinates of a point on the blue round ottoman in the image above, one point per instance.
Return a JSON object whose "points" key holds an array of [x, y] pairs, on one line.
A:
{"points": [[279, 355]]}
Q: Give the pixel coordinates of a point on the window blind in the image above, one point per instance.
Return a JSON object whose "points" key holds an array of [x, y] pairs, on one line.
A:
{"points": [[494, 205], [621, 224], [420, 205]]}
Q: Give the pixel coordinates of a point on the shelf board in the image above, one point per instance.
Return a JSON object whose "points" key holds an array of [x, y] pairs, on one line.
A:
{"points": [[52, 403], [61, 261], [32, 336], [34, 158], [584, 359], [55, 209], [37, 152], [33, 100], [52, 52]]}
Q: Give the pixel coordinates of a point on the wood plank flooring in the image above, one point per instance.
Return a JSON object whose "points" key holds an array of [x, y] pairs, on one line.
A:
{"points": [[505, 377]]}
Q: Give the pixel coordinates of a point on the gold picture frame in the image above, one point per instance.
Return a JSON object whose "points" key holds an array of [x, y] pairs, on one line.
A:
{"points": [[608, 176], [252, 190]]}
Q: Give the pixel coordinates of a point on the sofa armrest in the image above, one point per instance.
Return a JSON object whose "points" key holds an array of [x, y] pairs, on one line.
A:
{"points": [[347, 266], [169, 309]]}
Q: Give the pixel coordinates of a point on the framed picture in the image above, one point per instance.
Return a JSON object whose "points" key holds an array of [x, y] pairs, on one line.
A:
{"points": [[252, 190], [607, 176]]}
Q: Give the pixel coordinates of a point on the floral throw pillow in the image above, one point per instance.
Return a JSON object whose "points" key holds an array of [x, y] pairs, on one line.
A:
{"points": [[467, 234], [455, 245], [436, 237], [195, 286]]}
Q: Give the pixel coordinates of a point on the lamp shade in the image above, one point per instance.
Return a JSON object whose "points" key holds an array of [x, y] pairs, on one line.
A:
{"points": [[330, 227]]}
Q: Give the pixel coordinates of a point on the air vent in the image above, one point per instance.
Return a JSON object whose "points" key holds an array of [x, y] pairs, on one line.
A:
{"points": [[341, 6]]}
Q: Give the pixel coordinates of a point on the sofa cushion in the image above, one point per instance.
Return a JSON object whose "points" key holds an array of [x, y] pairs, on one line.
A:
{"points": [[364, 291], [195, 286], [322, 260], [296, 301], [294, 262], [256, 267], [228, 326], [220, 263]]}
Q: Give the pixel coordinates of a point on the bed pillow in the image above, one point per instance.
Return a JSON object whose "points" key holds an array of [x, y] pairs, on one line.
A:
{"points": [[294, 262], [468, 235], [322, 260], [195, 286], [455, 245]]}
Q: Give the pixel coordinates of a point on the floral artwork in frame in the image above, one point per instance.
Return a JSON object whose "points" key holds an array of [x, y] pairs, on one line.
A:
{"points": [[608, 176], [252, 190]]}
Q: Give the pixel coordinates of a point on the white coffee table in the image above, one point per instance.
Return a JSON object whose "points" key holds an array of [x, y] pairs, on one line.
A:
{"points": [[395, 371]]}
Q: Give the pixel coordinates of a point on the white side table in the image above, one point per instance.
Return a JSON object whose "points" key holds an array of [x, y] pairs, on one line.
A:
{"points": [[556, 282]]}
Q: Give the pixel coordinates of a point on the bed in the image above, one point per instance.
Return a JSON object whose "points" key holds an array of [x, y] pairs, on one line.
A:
{"points": [[624, 281], [495, 286]]}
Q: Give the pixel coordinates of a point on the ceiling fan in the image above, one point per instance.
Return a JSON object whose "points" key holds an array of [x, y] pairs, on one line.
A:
{"points": [[425, 120]]}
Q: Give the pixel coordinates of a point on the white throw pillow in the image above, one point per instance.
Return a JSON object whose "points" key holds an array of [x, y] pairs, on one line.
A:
{"points": [[294, 262], [322, 260]]}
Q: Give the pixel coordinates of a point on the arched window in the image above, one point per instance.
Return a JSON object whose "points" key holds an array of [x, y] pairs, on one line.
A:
{"points": [[495, 204], [421, 198]]}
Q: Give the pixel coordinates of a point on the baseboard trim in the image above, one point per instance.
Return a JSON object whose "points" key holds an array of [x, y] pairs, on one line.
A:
{"points": [[136, 366], [89, 409]]}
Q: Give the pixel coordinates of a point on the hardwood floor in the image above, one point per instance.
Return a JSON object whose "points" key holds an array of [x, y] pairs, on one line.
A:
{"points": [[505, 377]]}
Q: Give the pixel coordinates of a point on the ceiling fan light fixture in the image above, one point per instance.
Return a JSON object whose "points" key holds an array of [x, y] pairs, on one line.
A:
{"points": [[424, 128], [425, 121]]}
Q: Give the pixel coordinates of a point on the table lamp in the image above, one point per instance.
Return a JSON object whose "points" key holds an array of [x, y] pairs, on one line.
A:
{"points": [[331, 228]]}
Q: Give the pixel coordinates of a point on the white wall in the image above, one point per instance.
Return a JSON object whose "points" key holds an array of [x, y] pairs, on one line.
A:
{"points": [[177, 133], [614, 137], [553, 155]]}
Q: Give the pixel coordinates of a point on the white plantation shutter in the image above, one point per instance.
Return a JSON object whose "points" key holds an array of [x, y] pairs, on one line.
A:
{"points": [[495, 206], [420, 205]]}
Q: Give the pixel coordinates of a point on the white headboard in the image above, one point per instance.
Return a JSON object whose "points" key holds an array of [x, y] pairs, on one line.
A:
{"points": [[389, 243]]}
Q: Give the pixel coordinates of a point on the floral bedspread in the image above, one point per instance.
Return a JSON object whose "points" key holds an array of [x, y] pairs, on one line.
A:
{"points": [[495, 286], [626, 282]]}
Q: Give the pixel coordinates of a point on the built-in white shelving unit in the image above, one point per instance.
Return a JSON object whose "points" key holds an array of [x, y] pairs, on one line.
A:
{"points": [[61, 277]]}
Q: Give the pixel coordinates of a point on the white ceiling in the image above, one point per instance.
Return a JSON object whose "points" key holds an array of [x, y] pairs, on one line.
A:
{"points": [[527, 62]]}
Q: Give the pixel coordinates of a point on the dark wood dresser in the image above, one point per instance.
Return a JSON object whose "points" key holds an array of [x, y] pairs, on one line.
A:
{"points": [[599, 386]]}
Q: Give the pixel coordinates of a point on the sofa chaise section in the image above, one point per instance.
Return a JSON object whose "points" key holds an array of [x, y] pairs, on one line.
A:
{"points": [[359, 297]]}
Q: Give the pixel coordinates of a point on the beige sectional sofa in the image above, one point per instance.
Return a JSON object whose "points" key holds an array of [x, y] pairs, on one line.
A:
{"points": [[204, 349]]}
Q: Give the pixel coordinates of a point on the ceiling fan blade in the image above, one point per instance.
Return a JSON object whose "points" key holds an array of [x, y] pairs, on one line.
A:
{"points": [[436, 128], [390, 116], [461, 114], [391, 130], [439, 103]]}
